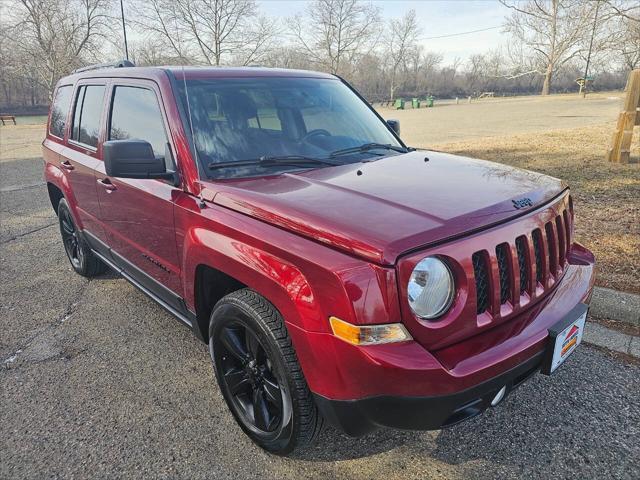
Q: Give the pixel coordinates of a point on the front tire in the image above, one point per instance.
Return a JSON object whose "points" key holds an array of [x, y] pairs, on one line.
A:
{"points": [[259, 375], [82, 259]]}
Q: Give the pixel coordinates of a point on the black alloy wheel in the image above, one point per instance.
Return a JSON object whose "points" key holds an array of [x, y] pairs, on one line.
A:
{"points": [[248, 374], [70, 239], [80, 255], [258, 373]]}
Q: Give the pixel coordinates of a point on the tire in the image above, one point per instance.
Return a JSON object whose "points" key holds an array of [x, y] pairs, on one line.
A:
{"points": [[82, 259], [251, 353]]}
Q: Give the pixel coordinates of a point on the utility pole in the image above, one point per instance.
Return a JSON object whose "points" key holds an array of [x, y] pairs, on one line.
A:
{"points": [[124, 32], [583, 87]]}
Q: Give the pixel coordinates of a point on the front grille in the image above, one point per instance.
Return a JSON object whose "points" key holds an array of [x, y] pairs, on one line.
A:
{"points": [[523, 263], [482, 282], [544, 249], [502, 254]]}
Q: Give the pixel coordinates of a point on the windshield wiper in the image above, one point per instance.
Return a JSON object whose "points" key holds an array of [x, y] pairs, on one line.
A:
{"points": [[288, 160], [366, 147]]}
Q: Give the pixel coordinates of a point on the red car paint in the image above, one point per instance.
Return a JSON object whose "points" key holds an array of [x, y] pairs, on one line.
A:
{"points": [[329, 242]]}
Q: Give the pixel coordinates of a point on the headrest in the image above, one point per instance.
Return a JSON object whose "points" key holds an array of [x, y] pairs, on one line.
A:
{"points": [[238, 105]]}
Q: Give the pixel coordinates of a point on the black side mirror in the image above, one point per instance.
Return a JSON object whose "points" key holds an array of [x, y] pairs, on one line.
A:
{"points": [[133, 159], [395, 125]]}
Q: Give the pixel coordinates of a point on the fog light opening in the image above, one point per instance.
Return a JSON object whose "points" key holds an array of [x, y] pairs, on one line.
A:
{"points": [[499, 396]]}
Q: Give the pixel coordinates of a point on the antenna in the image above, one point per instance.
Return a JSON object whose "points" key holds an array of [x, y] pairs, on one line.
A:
{"points": [[124, 31], [193, 137]]}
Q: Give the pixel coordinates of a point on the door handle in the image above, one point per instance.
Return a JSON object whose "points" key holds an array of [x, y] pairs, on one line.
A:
{"points": [[66, 164], [106, 183]]}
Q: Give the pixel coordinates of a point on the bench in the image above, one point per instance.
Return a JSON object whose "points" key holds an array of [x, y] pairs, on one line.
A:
{"points": [[7, 118]]}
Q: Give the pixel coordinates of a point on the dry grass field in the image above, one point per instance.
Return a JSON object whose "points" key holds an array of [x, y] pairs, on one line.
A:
{"points": [[563, 136]]}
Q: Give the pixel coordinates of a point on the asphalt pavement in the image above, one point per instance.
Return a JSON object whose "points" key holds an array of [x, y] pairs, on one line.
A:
{"points": [[97, 381]]}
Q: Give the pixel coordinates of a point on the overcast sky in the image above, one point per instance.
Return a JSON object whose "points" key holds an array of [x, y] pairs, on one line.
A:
{"points": [[436, 17]]}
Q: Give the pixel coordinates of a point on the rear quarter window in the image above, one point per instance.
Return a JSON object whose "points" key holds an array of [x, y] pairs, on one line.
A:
{"points": [[60, 110]]}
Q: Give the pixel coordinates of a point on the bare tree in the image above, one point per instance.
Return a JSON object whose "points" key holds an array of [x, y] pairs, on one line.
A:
{"points": [[625, 9], [629, 44], [553, 31], [207, 31], [400, 43], [52, 37], [626, 44], [333, 33]]}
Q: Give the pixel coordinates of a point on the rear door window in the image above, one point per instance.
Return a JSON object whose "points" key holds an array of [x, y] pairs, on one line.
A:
{"points": [[135, 114], [59, 110], [87, 114]]}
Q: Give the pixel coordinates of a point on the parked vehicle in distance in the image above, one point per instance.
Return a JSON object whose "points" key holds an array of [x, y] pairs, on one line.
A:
{"points": [[336, 274]]}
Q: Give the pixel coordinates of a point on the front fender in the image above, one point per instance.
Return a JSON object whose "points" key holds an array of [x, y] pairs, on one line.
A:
{"points": [[275, 278], [306, 281]]}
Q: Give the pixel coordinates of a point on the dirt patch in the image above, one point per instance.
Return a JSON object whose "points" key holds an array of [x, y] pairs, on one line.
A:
{"points": [[606, 195], [21, 141], [623, 327], [491, 117]]}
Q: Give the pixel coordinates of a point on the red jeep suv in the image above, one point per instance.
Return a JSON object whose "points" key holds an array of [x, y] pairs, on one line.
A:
{"points": [[336, 274]]}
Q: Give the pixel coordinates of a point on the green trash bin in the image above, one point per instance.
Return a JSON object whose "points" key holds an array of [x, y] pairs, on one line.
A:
{"points": [[399, 104], [415, 103], [429, 101]]}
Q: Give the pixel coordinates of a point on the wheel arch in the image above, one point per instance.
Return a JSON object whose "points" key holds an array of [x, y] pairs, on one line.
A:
{"points": [[210, 286], [55, 195], [58, 187], [210, 273]]}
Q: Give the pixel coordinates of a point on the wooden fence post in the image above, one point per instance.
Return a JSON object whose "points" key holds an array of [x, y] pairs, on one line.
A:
{"points": [[620, 151]]}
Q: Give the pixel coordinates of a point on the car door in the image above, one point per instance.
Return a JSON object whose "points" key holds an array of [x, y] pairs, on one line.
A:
{"points": [[80, 156], [137, 215]]}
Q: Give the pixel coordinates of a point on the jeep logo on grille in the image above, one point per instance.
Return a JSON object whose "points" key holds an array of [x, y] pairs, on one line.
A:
{"points": [[522, 203]]}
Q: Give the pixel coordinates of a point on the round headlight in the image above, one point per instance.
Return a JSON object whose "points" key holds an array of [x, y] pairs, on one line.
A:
{"points": [[430, 288]]}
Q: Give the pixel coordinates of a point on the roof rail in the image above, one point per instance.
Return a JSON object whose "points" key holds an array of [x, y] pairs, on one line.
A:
{"points": [[98, 66]]}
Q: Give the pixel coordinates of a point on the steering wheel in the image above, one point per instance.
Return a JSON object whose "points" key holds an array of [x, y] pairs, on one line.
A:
{"points": [[315, 133]]}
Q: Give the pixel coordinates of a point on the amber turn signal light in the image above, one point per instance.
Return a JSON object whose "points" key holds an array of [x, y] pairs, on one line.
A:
{"points": [[368, 334]]}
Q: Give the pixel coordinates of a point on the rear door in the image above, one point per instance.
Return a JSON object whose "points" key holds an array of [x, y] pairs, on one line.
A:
{"points": [[137, 215], [80, 157]]}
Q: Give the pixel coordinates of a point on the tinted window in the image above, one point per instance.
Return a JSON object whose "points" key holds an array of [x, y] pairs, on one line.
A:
{"points": [[59, 110], [135, 114], [86, 118], [76, 114], [247, 119]]}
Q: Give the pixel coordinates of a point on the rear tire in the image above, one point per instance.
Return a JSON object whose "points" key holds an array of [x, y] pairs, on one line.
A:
{"points": [[80, 255], [259, 375]]}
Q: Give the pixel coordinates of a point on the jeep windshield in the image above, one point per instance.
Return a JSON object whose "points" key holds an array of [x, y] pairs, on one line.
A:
{"points": [[242, 126]]}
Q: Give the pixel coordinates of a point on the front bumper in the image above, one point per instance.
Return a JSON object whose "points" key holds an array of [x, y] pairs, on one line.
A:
{"points": [[358, 417], [404, 385]]}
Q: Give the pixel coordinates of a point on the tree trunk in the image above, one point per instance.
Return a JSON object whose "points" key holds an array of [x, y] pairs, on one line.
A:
{"points": [[546, 85]]}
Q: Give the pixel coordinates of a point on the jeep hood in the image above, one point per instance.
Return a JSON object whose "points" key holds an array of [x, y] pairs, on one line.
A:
{"points": [[381, 209]]}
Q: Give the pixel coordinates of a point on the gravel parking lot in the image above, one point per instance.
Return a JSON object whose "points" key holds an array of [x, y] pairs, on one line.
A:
{"points": [[98, 381]]}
